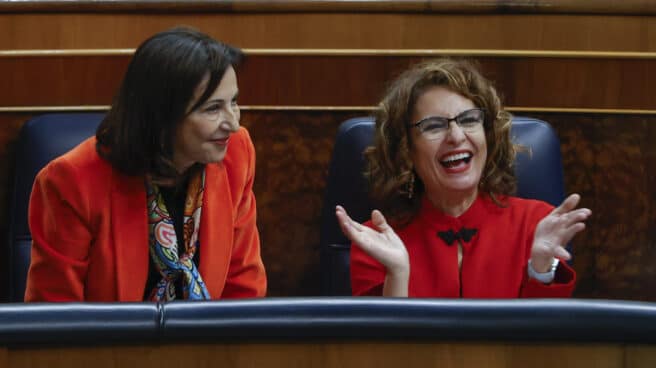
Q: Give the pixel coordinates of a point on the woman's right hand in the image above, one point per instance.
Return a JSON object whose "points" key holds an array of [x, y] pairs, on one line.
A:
{"points": [[381, 243]]}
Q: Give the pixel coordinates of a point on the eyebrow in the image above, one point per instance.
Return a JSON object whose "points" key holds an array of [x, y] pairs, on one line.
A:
{"points": [[443, 117], [447, 117], [220, 99]]}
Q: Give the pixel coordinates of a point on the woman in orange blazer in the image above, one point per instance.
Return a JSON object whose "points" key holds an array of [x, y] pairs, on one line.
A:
{"points": [[159, 204]]}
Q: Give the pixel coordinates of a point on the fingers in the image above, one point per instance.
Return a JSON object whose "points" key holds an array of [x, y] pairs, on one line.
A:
{"points": [[572, 217], [569, 218], [566, 235], [568, 204], [359, 233], [349, 227], [562, 253], [340, 212], [379, 221], [342, 217], [544, 255], [569, 232], [558, 229]]}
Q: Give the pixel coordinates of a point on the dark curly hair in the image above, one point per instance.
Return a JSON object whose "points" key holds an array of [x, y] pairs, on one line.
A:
{"points": [[389, 161]]}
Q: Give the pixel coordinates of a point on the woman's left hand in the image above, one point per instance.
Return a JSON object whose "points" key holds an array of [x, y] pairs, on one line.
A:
{"points": [[556, 230]]}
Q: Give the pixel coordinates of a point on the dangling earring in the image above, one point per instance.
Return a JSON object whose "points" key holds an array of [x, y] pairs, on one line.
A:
{"points": [[410, 185]]}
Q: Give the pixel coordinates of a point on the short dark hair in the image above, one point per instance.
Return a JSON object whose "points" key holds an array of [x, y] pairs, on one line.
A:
{"points": [[136, 135]]}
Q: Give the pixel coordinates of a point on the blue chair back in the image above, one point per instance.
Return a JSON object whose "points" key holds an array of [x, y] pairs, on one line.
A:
{"points": [[41, 139], [539, 176]]}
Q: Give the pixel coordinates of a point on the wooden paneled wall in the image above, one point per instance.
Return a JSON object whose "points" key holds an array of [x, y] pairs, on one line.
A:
{"points": [[331, 79], [590, 74], [329, 354], [350, 31]]}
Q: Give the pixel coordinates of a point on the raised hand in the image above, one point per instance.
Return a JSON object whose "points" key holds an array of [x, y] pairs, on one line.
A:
{"points": [[556, 230], [382, 244]]}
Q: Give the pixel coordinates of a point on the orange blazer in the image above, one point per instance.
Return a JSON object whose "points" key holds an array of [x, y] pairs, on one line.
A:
{"points": [[90, 229]]}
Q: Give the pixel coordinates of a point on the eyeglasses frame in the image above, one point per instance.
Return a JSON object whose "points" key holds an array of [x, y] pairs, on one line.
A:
{"points": [[449, 120]]}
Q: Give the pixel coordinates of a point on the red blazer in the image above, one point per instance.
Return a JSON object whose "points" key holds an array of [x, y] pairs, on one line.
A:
{"points": [[494, 263], [90, 232]]}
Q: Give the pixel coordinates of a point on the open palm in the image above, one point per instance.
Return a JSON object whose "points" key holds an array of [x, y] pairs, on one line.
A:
{"points": [[555, 230], [379, 242]]}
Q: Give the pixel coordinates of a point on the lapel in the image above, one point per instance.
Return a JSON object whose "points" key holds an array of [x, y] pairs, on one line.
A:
{"points": [[130, 235], [216, 229]]}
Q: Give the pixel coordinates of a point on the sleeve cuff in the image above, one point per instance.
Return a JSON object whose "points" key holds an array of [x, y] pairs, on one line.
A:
{"points": [[543, 277]]}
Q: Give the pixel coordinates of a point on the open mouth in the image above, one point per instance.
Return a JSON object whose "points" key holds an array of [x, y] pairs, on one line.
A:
{"points": [[457, 159], [221, 141]]}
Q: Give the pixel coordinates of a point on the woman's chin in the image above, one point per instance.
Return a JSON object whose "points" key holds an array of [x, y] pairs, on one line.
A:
{"points": [[215, 157], [460, 187]]}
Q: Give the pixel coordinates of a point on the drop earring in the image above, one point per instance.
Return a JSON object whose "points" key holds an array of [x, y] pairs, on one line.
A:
{"points": [[410, 185]]}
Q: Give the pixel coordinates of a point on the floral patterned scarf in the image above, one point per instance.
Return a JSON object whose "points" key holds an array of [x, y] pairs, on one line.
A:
{"points": [[164, 243]]}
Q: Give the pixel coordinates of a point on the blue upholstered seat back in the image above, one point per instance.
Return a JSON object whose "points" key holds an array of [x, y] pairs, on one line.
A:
{"points": [[539, 176], [41, 139]]}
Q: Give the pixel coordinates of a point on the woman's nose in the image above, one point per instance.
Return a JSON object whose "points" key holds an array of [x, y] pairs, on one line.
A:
{"points": [[230, 119], [455, 133]]}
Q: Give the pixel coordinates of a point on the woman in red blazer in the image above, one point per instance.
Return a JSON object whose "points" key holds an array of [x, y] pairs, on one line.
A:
{"points": [[159, 204]]}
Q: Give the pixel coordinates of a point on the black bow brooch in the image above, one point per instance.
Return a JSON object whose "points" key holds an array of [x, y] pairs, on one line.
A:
{"points": [[451, 236]]}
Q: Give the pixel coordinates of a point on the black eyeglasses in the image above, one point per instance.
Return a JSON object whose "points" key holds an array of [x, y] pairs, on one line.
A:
{"points": [[435, 127]]}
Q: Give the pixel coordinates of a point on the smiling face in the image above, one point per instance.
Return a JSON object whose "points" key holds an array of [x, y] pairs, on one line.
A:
{"points": [[450, 166], [204, 134]]}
